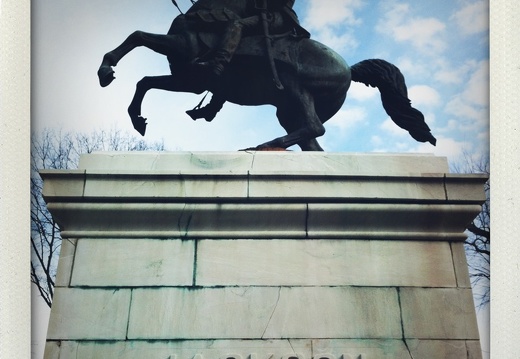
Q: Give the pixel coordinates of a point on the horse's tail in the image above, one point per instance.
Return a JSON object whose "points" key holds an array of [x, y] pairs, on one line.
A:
{"points": [[394, 95]]}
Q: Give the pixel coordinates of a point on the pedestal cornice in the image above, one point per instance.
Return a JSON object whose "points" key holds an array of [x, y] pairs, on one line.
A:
{"points": [[247, 195]]}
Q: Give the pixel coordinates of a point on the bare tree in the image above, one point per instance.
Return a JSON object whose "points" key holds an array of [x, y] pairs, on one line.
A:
{"points": [[478, 243], [57, 150]]}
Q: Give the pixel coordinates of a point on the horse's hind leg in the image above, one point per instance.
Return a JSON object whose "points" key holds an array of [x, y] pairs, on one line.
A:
{"points": [[289, 124], [301, 122], [310, 145], [162, 44]]}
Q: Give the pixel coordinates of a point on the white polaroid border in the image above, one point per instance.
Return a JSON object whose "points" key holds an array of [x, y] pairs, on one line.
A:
{"points": [[14, 178], [505, 167], [15, 77]]}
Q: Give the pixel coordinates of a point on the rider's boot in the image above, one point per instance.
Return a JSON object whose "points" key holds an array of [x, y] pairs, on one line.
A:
{"points": [[224, 53], [209, 111]]}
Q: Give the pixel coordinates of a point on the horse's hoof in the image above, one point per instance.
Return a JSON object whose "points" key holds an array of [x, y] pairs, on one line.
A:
{"points": [[263, 148], [106, 75], [139, 124], [249, 149]]}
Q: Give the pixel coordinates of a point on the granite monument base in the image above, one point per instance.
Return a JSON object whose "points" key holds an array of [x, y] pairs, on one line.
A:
{"points": [[262, 255]]}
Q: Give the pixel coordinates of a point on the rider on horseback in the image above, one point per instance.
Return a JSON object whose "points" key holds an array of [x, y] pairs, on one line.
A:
{"points": [[282, 19], [281, 16], [313, 93]]}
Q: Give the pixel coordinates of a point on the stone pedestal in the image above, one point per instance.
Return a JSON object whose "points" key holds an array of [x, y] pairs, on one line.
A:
{"points": [[262, 255]]}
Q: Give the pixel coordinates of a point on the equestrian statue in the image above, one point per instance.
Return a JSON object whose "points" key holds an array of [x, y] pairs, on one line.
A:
{"points": [[255, 52]]}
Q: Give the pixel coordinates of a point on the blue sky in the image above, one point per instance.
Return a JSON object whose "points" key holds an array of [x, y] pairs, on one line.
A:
{"points": [[440, 46]]}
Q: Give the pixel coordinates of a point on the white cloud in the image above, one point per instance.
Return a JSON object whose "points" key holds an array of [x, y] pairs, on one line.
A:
{"points": [[347, 119], [473, 18], [376, 141], [473, 102], [461, 108], [454, 75], [329, 16], [412, 67], [430, 119], [335, 40], [421, 32], [400, 138], [361, 92], [422, 95], [477, 89], [332, 13], [391, 128], [446, 147]]}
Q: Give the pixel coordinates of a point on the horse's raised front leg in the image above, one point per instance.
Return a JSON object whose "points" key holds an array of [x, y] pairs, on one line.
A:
{"points": [[167, 83], [162, 44]]}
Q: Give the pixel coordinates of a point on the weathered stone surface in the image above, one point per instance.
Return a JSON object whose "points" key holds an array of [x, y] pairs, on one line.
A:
{"points": [[272, 313], [438, 349], [324, 262], [467, 188], [52, 350], [353, 187], [267, 349], [177, 220], [261, 162], [193, 349], [360, 348], [164, 185], [474, 349], [68, 248], [348, 163], [230, 162], [261, 220], [237, 349], [185, 313], [63, 183], [241, 349], [89, 314], [335, 312], [389, 221], [438, 313], [266, 177], [243, 221], [133, 262], [461, 265]]}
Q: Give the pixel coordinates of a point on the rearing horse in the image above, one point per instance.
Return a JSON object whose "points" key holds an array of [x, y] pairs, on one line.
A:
{"points": [[315, 78]]}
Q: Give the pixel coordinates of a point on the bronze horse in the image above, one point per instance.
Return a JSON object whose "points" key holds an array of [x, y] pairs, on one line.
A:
{"points": [[315, 79]]}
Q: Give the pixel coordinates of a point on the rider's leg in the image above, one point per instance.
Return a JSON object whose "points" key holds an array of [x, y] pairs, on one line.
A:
{"points": [[230, 41]]}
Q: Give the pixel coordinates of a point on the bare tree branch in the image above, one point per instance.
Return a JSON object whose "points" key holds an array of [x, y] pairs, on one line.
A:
{"points": [[478, 243], [58, 150]]}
